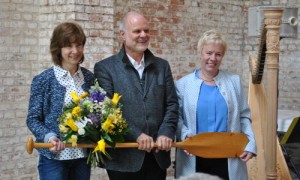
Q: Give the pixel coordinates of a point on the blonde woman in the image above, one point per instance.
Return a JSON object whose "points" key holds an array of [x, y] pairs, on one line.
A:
{"points": [[212, 100]]}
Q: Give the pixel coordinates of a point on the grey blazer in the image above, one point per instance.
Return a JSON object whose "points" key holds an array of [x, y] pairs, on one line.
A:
{"points": [[150, 106]]}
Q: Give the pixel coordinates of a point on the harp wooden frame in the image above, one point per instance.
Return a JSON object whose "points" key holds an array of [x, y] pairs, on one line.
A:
{"points": [[270, 162]]}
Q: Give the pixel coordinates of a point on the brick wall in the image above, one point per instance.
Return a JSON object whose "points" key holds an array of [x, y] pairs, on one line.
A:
{"points": [[26, 27], [18, 49]]}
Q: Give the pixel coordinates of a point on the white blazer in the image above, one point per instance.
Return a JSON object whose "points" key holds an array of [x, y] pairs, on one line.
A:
{"points": [[188, 88]]}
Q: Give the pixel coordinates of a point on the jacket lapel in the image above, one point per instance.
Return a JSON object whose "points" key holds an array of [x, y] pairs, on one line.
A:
{"points": [[148, 80], [149, 70], [129, 73], [126, 71]]}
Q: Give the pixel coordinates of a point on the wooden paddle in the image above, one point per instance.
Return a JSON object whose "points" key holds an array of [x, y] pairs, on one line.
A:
{"points": [[207, 145]]}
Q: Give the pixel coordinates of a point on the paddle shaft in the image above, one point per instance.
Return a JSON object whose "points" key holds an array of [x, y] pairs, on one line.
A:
{"points": [[207, 145], [31, 145]]}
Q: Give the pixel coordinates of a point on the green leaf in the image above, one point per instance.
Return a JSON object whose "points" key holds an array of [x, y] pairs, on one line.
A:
{"points": [[107, 138], [68, 135]]}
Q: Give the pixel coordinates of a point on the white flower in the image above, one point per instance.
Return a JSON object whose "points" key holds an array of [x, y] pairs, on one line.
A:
{"points": [[86, 120], [81, 131], [81, 124], [104, 111]]}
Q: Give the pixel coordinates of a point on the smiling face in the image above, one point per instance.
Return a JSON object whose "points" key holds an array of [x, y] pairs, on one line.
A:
{"points": [[67, 43], [135, 35], [211, 57], [71, 55], [211, 48]]}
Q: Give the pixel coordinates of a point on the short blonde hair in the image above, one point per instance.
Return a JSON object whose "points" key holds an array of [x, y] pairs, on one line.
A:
{"points": [[211, 36]]}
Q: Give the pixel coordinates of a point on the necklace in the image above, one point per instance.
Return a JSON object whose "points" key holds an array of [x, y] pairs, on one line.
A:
{"points": [[206, 80]]}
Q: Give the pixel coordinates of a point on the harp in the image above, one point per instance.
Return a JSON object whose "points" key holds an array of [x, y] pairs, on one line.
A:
{"points": [[270, 162]]}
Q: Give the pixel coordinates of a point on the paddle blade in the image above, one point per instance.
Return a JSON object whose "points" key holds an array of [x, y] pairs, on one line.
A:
{"points": [[215, 145]]}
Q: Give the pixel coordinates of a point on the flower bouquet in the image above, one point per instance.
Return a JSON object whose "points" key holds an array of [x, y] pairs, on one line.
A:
{"points": [[96, 119]]}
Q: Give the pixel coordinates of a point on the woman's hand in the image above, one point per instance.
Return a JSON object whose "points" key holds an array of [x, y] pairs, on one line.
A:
{"points": [[57, 144], [186, 152], [246, 156]]}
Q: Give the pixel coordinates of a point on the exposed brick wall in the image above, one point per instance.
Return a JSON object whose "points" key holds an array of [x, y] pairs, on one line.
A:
{"points": [[289, 73], [18, 48], [176, 25], [25, 31]]}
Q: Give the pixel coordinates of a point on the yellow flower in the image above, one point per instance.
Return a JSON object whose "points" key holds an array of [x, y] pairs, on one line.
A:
{"points": [[76, 111], [63, 128], [115, 99], [119, 117], [73, 140], [83, 95], [72, 125], [113, 118], [108, 125], [69, 115], [75, 97], [117, 111], [100, 146]]}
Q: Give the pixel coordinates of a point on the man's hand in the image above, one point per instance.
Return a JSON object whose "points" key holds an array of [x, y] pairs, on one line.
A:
{"points": [[164, 143], [145, 142]]}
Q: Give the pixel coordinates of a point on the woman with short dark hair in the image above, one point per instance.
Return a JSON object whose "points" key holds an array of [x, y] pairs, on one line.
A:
{"points": [[50, 91]]}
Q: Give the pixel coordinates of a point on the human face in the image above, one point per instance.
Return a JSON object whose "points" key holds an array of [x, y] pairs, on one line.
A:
{"points": [[71, 55], [211, 57], [135, 35]]}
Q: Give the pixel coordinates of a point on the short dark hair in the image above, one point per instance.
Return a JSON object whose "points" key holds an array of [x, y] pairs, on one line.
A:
{"points": [[63, 35]]}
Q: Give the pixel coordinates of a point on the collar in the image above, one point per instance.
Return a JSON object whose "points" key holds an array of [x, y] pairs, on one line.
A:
{"points": [[63, 73], [134, 63], [149, 58]]}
